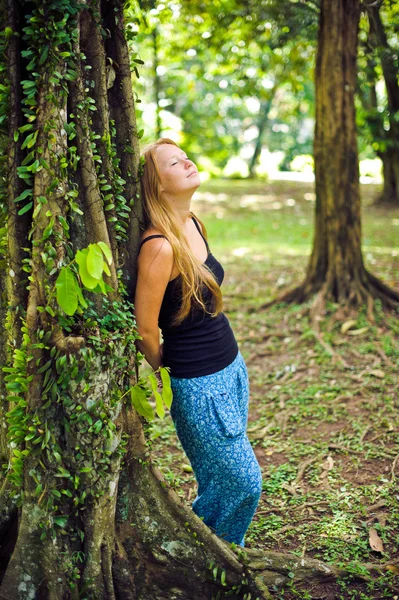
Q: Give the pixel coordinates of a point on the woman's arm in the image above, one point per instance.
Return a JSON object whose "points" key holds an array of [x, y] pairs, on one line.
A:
{"points": [[155, 264]]}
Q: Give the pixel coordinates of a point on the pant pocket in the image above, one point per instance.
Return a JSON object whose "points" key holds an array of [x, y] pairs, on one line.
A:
{"points": [[228, 419]]}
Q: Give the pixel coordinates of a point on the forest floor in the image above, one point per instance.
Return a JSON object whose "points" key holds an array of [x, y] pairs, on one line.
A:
{"points": [[323, 423]]}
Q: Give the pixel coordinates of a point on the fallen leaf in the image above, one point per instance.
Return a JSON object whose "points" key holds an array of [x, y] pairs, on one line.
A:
{"points": [[378, 373], [348, 325], [375, 540], [393, 568], [358, 331], [382, 519], [329, 463]]}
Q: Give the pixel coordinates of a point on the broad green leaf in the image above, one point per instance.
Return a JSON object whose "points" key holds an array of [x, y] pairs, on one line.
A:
{"points": [[88, 281], [167, 394], [95, 261], [159, 407], [67, 296], [140, 403], [107, 251]]}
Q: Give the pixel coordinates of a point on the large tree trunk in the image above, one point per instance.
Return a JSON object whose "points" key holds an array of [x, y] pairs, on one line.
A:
{"points": [[336, 270], [82, 510]]}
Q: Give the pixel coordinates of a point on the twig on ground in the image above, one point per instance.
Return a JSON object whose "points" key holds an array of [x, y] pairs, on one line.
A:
{"points": [[376, 506], [302, 468], [330, 350], [393, 476], [300, 507], [343, 449], [384, 357], [294, 524], [257, 434], [365, 432]]}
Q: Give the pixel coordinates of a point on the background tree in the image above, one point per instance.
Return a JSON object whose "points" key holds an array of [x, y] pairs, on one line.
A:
{"points": [[384, 124], [336, 270], [82, 510]]}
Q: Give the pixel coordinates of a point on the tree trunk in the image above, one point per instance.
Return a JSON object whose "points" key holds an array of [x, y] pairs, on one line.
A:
{"points": [[390, 168], [390, 152], [82, 510], [336, 270], [263, 119]]}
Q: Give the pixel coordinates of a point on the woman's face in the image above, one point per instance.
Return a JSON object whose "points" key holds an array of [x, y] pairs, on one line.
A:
{"points": [[178, 174]]}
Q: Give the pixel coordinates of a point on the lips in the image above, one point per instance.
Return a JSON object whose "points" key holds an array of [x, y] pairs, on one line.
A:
{"points": [[193, 173]]}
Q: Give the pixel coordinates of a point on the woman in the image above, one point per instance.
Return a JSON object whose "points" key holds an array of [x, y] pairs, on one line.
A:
{"points": [[178, 289]]}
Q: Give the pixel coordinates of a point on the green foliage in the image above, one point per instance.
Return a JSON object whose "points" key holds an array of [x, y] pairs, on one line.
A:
{"points": [[91, 266], [219, 87], [140, 393]]}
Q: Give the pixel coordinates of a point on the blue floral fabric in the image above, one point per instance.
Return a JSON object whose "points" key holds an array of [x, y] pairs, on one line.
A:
{"points": [[210, 415]]}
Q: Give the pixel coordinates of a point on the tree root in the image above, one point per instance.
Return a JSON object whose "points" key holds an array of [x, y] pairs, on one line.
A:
{"points": [[365, 289], [276, 569]]}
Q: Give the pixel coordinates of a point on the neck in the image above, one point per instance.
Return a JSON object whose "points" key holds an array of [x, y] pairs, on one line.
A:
{"points": [[181, 208]]}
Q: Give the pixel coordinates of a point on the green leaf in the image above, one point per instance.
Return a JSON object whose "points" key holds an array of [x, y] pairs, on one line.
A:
{"points": [[95, 261], [140, 403], [67, 295], [159, 407], [44, 55], [167, 394], [50, 311], [107, 251], [25, 209], [24, 195], [98, 426], [106, 269], [81, 299], [88, 281], [63, 473], [61, 521]]}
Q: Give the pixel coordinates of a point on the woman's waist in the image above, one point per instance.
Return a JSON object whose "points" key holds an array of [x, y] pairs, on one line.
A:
{"points": [[196, 328]]}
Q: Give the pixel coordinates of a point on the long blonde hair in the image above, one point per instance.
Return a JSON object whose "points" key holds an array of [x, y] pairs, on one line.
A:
{"points": [[194, 274]]}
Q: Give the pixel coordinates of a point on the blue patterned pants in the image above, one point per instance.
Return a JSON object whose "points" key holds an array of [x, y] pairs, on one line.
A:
{"points": [[210, 415]]}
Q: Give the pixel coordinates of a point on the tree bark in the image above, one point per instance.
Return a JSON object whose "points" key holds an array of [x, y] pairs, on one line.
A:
{"points": [[336, 270]]}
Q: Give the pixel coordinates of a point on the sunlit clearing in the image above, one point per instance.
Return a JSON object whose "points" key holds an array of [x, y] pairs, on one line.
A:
{"points": [[241, 251]]}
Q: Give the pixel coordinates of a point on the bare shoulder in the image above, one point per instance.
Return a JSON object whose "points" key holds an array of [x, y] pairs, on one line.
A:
{"points": [[156, 253]]}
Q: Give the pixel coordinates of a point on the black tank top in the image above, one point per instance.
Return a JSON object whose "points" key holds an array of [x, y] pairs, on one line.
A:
{"points": [[200, 344]]}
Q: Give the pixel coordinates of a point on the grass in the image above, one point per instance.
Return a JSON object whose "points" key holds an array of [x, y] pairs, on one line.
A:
{"points": [[325, 435]]}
